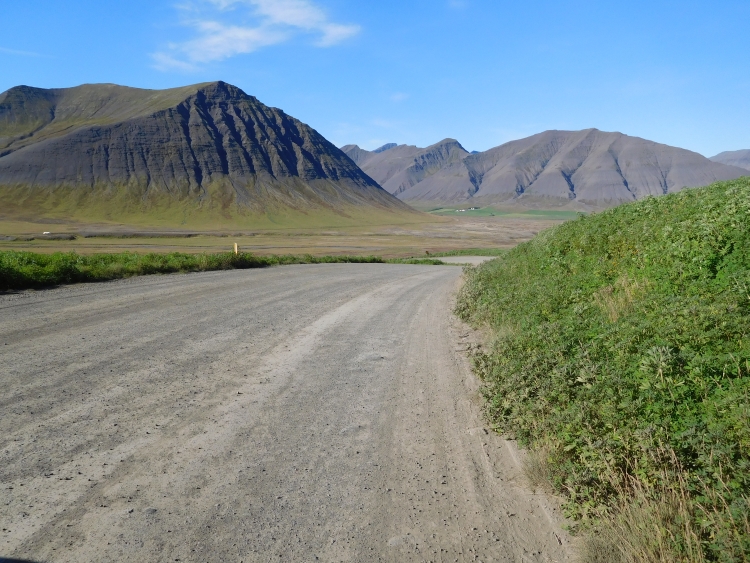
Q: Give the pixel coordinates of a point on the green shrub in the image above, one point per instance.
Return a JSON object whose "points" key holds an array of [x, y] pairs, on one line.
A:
{"points": [[623, 350], [24, 270]]}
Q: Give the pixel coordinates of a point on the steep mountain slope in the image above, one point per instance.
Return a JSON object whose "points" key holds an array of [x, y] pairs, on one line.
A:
{"points": [[734, 158], [398, 168], [355, 153], [386, 147], [554, 168], [207, 148]]}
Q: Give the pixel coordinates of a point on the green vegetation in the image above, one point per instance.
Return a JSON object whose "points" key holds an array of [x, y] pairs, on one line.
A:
{"points": [[424, 261], [480, 212], [24, 270], [471, 252], [553, 214], [562, 215], [622, 358], [85, 105], [218, 211]]}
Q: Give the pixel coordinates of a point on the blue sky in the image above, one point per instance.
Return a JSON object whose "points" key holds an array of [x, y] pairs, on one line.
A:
{"points": [[416, 71]]}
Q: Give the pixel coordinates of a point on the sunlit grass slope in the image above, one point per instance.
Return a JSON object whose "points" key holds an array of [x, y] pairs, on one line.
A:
{"points": [[217, 211], [51, 113], [622, 357]]}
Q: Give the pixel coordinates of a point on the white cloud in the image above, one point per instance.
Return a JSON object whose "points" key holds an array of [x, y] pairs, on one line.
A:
{"points": [[399, 97], [20, 53], [218, 41], [165, 61], [336, 33], [298, 13], [274, 21]]}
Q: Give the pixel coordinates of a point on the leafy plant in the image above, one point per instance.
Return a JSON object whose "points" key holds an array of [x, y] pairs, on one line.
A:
{"points": [[623, 350]]}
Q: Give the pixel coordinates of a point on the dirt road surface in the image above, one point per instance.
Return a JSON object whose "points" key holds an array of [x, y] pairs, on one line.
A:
{"points": [[301, 413]]}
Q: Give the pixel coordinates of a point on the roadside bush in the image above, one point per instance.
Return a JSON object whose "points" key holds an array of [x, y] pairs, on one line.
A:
{"points": [[24, 270], [623, 351]]}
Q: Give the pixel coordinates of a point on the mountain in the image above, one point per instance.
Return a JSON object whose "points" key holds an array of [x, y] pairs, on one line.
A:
{"points": [[400, 167], [554, 168], [385, 147], [734, 158], [105, 151]]}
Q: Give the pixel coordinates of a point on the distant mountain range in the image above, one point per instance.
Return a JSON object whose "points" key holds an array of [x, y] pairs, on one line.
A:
{"points": [[211, 154], [398, 168], [554, 168], [734, 158], [103, 150]]}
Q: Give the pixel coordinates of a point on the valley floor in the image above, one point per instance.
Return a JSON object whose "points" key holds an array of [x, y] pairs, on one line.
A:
{"points": [[304, 413], [438, 235]]}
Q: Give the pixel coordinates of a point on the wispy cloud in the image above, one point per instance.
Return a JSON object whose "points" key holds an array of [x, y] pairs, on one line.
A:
{"points": [[399, 97], [273, 22], [20, 53]]}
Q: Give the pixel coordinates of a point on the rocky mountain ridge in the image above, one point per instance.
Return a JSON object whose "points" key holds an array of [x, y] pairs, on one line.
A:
{"points": [[739, 158], [554, 168], [206, 144], [401, 167]]}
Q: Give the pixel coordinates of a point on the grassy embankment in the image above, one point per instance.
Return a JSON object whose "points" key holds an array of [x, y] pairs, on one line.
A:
{"points": [[622, 359], [24, 270]]}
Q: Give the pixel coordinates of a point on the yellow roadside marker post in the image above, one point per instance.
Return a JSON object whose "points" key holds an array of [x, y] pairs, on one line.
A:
{"points": [[236, 248]]}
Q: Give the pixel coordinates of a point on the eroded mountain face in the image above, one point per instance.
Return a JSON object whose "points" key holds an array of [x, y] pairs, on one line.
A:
{"points": [[400, 167], [590, 166], [554, 168], [734, 158], [179, 142]]}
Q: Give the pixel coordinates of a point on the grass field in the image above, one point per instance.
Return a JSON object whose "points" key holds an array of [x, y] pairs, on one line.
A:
{"points": [[77, 252], [622, 359], [26, 270], [556, 215], [435, 234], [111, 208]]}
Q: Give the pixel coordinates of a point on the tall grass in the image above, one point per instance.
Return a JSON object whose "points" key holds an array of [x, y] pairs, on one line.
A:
{"points": [[669, 521], [622, 352], [24, 270]]}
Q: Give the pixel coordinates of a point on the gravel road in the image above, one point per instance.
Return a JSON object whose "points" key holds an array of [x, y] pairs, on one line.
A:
{"points": [[299, 413]]}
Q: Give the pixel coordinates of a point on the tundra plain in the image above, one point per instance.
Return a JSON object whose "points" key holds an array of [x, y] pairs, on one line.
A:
{"points": [[448, 231]]}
